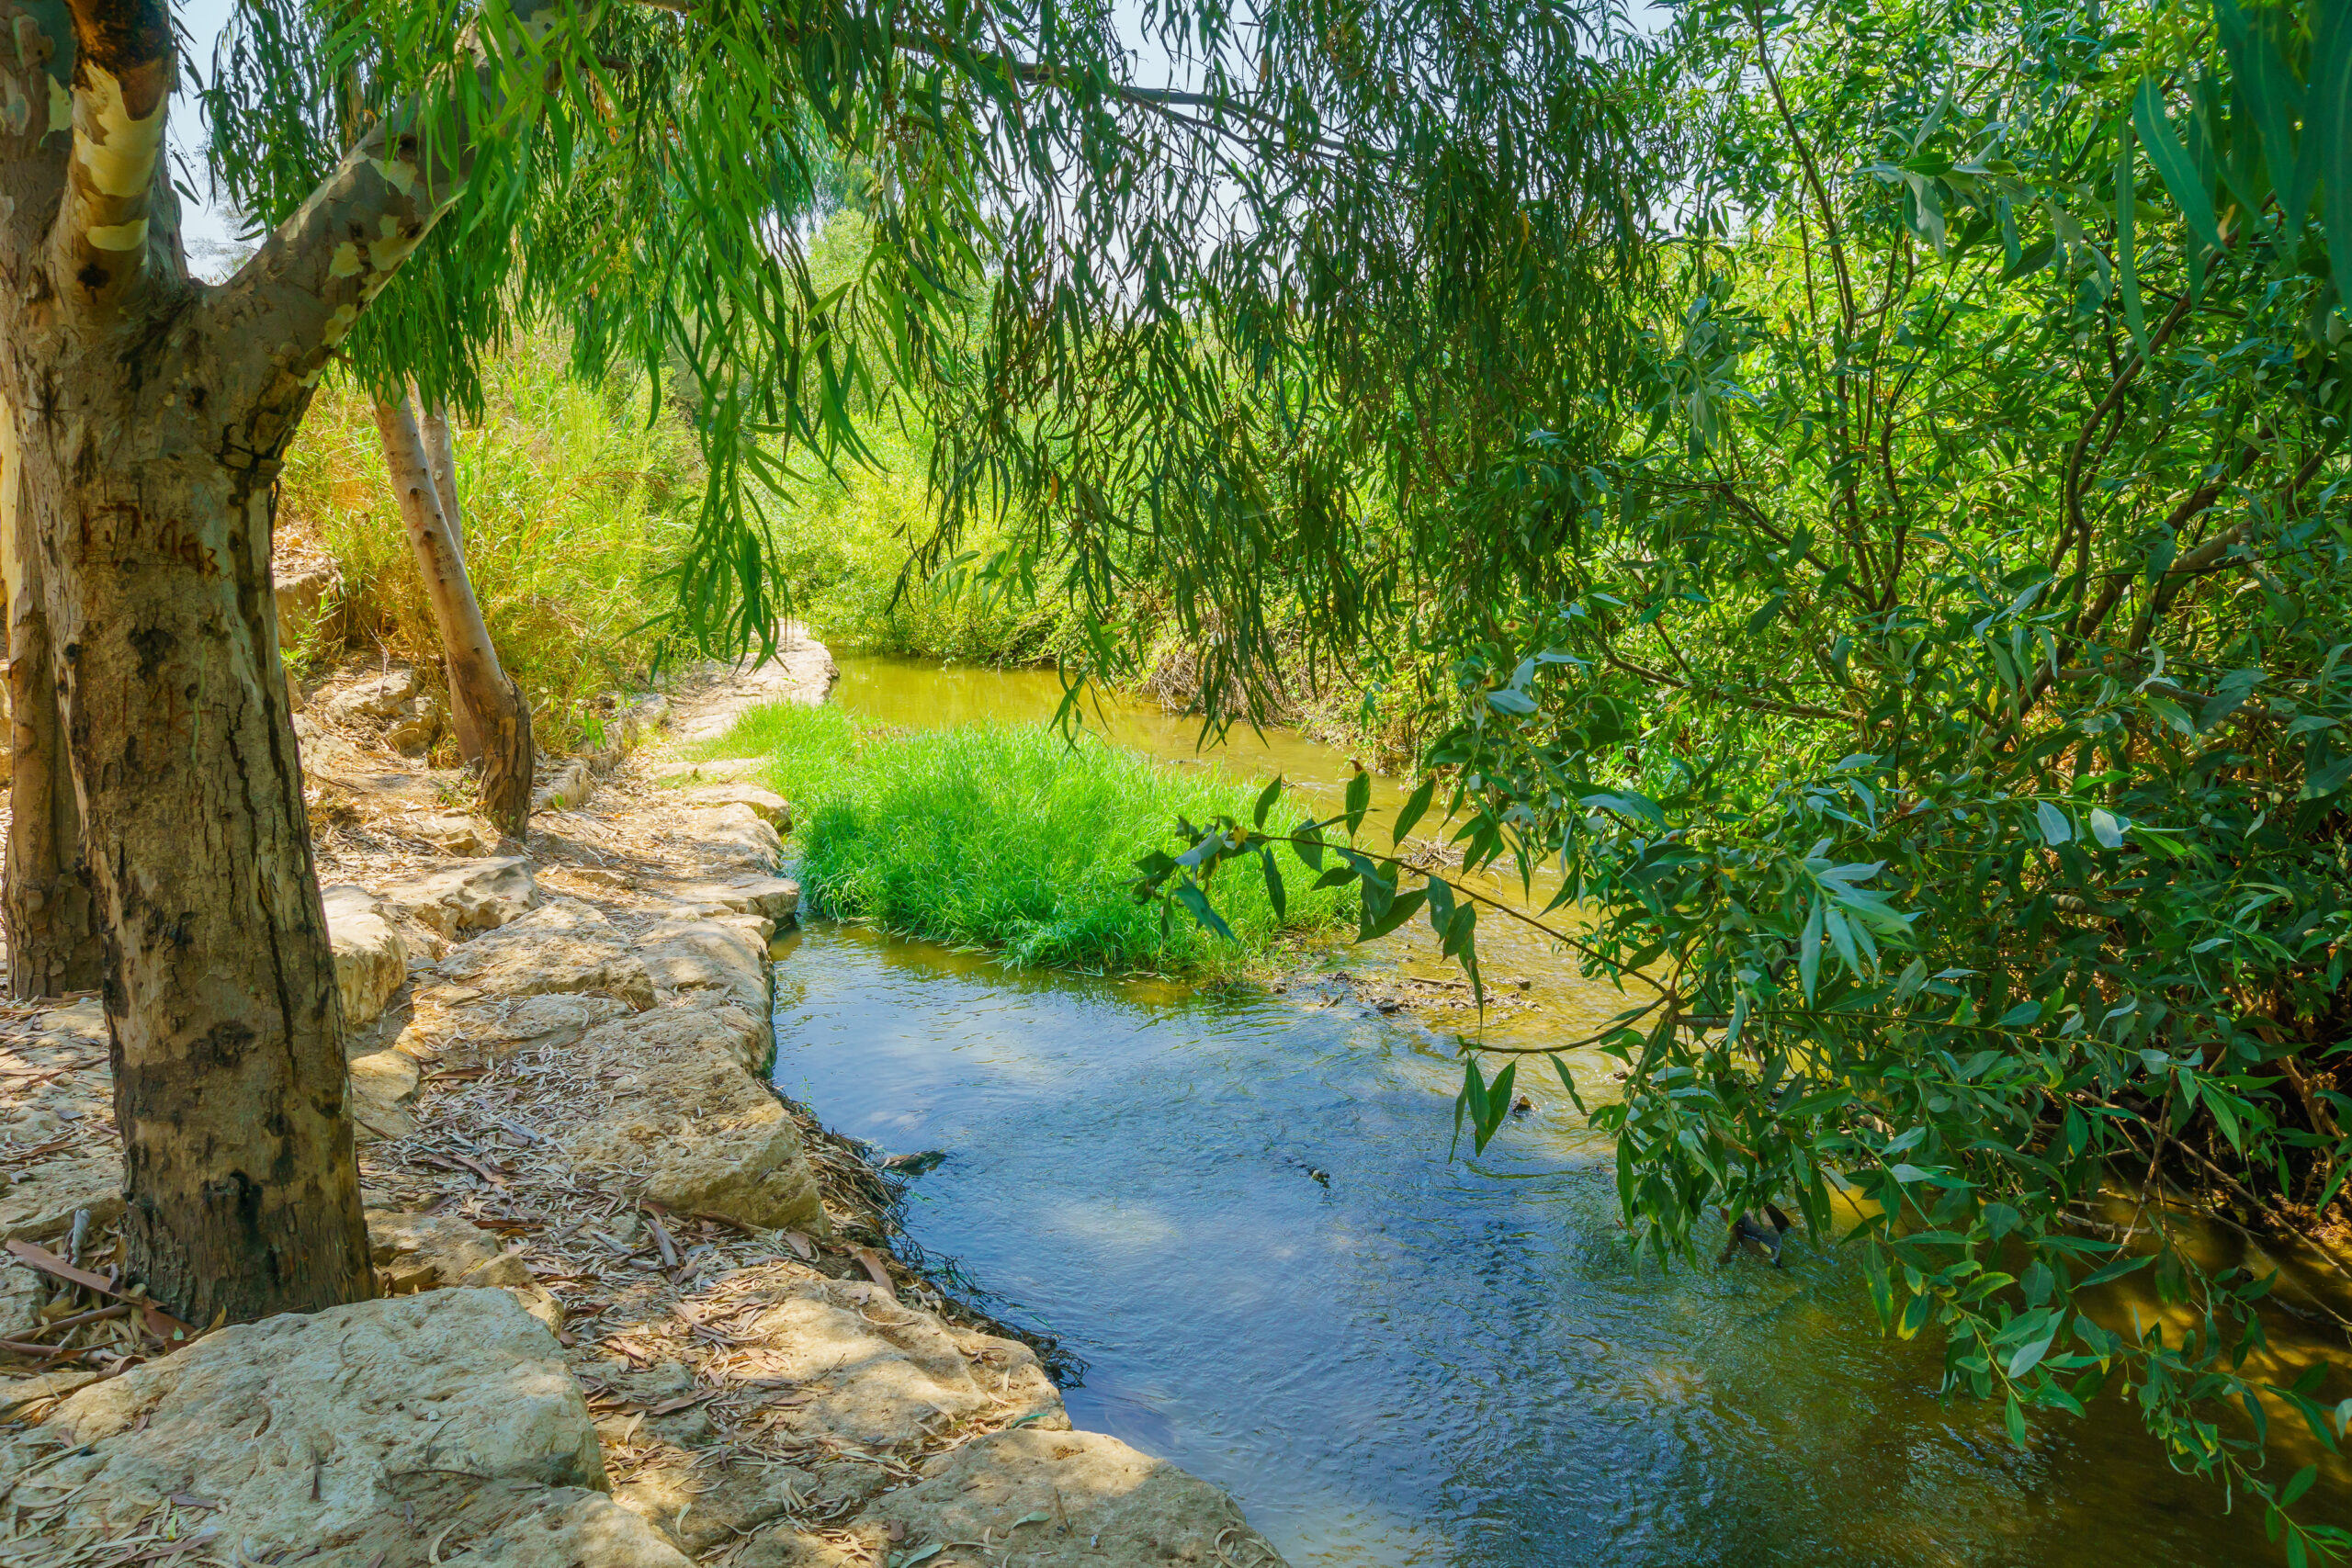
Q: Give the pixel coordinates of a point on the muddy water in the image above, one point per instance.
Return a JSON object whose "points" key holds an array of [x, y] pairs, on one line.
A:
{"points": [[1413, 1360]]}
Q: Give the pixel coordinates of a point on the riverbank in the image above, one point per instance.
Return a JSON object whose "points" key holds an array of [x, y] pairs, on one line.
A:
{"points": [[638, 1309]]}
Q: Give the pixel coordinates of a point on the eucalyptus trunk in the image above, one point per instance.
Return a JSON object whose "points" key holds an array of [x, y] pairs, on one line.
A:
{"points": [[53, 943], [494, 720], [152, 414]]}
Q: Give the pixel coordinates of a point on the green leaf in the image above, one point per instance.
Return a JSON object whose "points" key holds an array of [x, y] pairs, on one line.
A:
{"points": [[1441, 896], [2127, 264], [1275, 892], [2014, 1419], [2327, 135], [1415, 804], [1266, 799], [2029, 1356], [2108, 827], [1568, 1082], [1358, 800], [2300, 1483], [1310, 845], [2172, 165], [1490, 1117], [1506, 700], [1398, 910], [1197, 904], [1809, 950], [2056, 828]]}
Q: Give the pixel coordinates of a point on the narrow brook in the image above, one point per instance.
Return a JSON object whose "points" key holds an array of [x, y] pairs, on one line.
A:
{"points": [[1429, 1360]]}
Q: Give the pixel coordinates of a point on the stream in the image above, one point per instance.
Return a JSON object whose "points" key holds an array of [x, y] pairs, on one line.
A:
{"points": [[1412, 1358]]}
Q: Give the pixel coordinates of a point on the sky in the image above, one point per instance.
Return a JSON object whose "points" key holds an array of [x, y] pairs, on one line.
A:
{"points": [[209, 232]]}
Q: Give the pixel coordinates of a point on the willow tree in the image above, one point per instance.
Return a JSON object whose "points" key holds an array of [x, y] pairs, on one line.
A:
{"points": [[1924, 668], [642, 174]]}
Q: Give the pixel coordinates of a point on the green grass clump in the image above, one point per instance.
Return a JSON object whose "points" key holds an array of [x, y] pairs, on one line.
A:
{"points": [[1012, 839]]}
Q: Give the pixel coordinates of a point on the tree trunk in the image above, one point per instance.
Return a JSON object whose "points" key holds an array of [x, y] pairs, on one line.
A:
{"points": [[433, 423], [486, 706], [53, 943], [240, 1180]]}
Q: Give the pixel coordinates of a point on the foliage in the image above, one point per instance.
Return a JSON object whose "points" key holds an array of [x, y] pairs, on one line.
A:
{"points": [[1337, 198], [574, 509], [1928, 668], [1007, 838]]}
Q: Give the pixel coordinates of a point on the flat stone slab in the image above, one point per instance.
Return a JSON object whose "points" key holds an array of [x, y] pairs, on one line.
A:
{"points": [[562, 946], [776, 898], [801, 673], [721, 959], [770, 806], [1071, 1500], [468, 897], [439, 1426], [57, 1140], [370, 959], [693, 1128]]}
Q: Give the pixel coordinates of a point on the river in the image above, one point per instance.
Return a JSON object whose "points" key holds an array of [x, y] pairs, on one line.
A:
{"points": [[1412, 1358]]}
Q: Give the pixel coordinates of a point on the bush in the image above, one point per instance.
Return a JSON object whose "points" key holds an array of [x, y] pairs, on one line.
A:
{"points": [[573, 506], [1013, 839]]}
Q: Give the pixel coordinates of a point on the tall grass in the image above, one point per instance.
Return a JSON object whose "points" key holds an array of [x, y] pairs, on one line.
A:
{"points": [[1013, 839], [573, 504]]}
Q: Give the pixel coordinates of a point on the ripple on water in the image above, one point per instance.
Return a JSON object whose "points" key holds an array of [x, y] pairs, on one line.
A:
{"points": [[1428, 1361]]}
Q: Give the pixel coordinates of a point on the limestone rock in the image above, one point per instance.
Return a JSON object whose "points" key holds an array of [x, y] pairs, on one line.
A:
{"points": [[568, 790], [373, 702], [693, 1129], [333, 1434], [421, 720], [491, 1030], [370, 960], [471, 896], [303, 595], [734, 832], [1106, 1506], [21, 1294], [767, 803], [711, 960], [454, 833], [693, 771], [562, 946], [382, 1085], [431, 1252], [880, 1375], [57, 1116], [784, 1546], [802, 671], [699, 1510], [775, 898]]}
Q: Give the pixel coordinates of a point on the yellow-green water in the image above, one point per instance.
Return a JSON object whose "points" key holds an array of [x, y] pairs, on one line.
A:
{"points": [[1429, 1360]]}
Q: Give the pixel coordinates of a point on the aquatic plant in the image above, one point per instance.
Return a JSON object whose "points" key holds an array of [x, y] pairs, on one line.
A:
{"points": [[1014, 839]]}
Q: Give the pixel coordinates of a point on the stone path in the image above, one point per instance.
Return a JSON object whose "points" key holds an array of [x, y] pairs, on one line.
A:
{"points": [[638, 1309]]}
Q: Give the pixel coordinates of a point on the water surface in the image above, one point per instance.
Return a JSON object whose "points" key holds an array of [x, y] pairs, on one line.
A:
{"points": [[1417, 1360]]}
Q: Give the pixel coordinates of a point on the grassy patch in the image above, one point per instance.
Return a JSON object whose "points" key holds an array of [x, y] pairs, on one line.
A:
{"points": [[1010, 839]]}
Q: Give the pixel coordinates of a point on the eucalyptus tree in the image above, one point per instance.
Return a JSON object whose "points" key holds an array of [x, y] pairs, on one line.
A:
{"points": [[1925, 669], [637, 172]]}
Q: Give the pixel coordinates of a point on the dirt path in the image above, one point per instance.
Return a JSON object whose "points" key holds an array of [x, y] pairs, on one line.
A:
{"points": [[559, 1056]]}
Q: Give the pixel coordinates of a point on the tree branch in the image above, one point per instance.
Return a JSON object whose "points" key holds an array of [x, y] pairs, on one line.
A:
{"points": [[122, 86], [303, 292]]}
